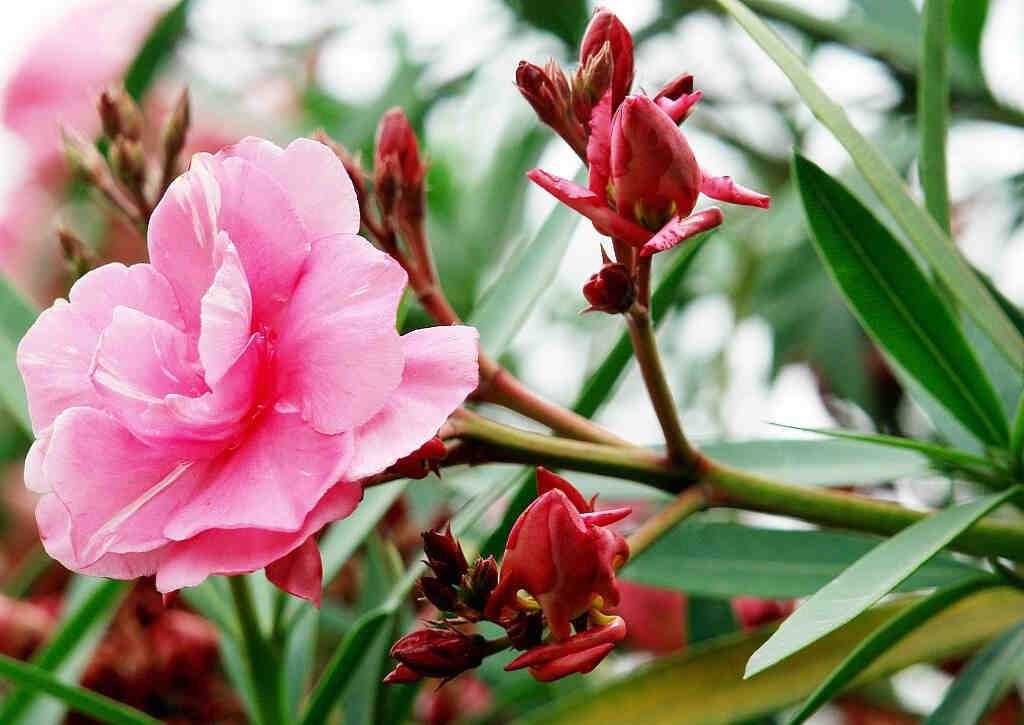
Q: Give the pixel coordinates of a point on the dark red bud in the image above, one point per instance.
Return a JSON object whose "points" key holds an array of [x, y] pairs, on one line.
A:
{"points": [[422, 461], [681, 85], [526, 630], [402, 675], [441, 595], [478, 584], [610, 289], [398, 169], [444, 556], [440, 652], [605, 27], [539, 92]]}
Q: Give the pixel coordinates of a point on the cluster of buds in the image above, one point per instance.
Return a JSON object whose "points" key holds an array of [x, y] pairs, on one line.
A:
{"points": [[123, 177], [644, 179], [557, 575]]}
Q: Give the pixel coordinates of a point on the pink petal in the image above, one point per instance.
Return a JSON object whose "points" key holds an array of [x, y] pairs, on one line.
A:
{"points": [[300, 572], [314, 179], [548, 481], [679, 108], [117, 489], [55, 355], [54, 523], [226, 311], [237, 551], [339, 355], [724, 188], [678, 230], [270, 480], [34, 479], [599, 148], [581, 662], [440, 371], [234, 196], [589, 204]]}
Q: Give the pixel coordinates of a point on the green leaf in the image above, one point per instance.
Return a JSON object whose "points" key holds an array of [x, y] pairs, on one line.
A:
{"points": [[819, 462], [897, 305], [67, 652], [967, 23], [886, 636], [869, 579], [933, 109], [936, 246], [968, 699], [705, 685], [16, 315], [718, 559], [566, 18], [707, 618], [506, 305], [156, 50], [77, 698]]}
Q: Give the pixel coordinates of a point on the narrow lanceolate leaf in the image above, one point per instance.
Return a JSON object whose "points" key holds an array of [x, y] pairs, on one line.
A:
{"points": [[897, 305], [936, 246], [16, 315], [933, 109], [67, 652], [704, 686], [885, 637], [873, 576], [506, 305], [967, 700], [77, 698], [156, 50], [718, 559]]}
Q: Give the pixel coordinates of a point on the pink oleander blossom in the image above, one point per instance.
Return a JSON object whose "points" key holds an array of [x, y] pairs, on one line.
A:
{"points": [[209, 412]]}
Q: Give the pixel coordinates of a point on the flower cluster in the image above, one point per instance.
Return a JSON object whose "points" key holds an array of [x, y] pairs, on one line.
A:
{"points": [[210, 412], [557, 574], [644, 180]]}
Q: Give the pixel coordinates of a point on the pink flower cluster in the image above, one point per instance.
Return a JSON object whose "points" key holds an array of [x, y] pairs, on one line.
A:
{"points": [[211, 411]]}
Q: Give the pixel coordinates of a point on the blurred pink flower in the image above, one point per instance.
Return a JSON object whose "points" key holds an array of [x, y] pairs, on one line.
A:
{"points": [[209, 412], [656, 619], [66, 68]]}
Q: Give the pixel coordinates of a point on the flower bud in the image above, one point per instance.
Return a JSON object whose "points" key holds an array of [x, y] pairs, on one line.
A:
{"points": [[440, 652], [678, 98], [398, 170], [441, 595], [444, 556], [79, 256], [605, 27], [479, 582], [128, 162], [538, 90], [402, 675], [119, 114], [421, 461], [82, 156], [176, 131], [591, 82], [526, 630], [562, 556], [610, 289], [654, 174]]}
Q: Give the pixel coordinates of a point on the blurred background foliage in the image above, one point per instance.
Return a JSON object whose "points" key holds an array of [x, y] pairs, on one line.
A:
{"points": [[756, 333]]}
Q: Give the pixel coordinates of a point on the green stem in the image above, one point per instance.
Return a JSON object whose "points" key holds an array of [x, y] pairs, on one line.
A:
{"points": [[642, 334], [933, 109], [263, 662], [732, 488]]}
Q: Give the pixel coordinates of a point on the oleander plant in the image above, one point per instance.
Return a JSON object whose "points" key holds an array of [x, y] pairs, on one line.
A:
{"points": [[355, 373]]}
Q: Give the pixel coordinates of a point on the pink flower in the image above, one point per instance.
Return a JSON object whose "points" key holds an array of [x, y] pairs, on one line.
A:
{"points": [[209, 412], [560, 552], [644, 179], [66, 68]]}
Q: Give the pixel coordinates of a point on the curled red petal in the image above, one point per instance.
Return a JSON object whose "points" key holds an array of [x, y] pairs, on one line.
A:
{"points": [[608, 516], [607, 634], [724, 188], [678, 109], [548, 481], [582, 662], [678, 230]]}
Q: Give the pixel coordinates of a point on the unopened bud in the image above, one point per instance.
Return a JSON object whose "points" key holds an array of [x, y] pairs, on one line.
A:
{"points": [[440, 652], [421, 461], [398, 169], [535, 86], [678, 98], [83, 157], [610, 289], [605, 27], [402, 675], [479, 582], [681, 85], [176, 129], [592, 80], [526, 630], [120, 114], [128, 162], [444, 556], [79, 256], [441, 595]]}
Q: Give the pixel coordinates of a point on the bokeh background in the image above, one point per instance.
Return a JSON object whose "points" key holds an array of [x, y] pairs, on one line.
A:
{"points": [[756, 335]]}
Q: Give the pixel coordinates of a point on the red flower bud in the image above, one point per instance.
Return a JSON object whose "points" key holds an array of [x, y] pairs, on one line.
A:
{"points": [[478, 584], [119, 114], [444, 556], [559, 557], [605, 27], [440, 652], [535, 86], [610, 289], [398, 169], [421, 461], [592, 80], [654, 174], [525, 630], [441, 595], [402, 675], [678, 98]]}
